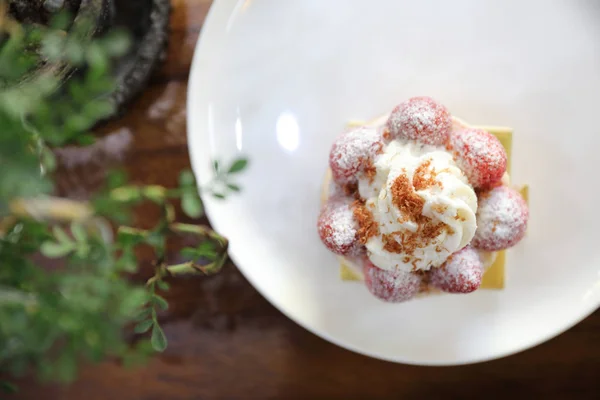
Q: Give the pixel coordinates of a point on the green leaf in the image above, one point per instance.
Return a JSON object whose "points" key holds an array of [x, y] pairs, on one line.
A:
{"points": [[74, 52], [60, 20], [204, 249], [158, 339], [162, 285], [129, 237], [76, 124], [189, 253], [128, 262], [48, 160], [155, 239], [216, 166], [132, 301], [238, 165], [85, 139], [82, 250], [98, 61], [191, 204], [78, 232], [160, 301], [60, 235], [77, 91], [117, 211], [116, 178], [233, 187], [116, 43], [206, 246], [218, 195], [56, 250], [52, 46], [143, 315], [143, 326], [186, 178], [99, 109]]}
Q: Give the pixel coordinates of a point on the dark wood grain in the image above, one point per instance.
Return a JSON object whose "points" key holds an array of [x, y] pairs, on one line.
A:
{"points": [[227, 342]]}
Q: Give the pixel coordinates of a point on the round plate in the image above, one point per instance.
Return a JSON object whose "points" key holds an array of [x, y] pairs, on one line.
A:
{"points": [[278, 80]]}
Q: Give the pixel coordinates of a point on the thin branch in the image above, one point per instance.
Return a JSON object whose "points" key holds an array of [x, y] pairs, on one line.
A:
{"points": [[54, 208]]}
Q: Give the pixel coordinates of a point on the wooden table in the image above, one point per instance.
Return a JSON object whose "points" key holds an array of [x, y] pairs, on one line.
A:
{"points": [[227, 342]]}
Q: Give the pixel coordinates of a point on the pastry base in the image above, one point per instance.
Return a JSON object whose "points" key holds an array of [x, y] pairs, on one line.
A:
{"points": [[494, 275]]}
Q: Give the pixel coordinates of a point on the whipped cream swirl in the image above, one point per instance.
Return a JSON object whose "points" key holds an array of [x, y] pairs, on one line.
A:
{"points": [[422, 203]]}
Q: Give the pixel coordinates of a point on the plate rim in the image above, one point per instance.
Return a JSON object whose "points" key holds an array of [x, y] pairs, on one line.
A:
{"points": [[226, 9]]}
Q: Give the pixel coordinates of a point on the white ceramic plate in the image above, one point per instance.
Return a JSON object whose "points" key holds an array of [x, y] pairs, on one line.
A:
{"points": [[277, 80]]}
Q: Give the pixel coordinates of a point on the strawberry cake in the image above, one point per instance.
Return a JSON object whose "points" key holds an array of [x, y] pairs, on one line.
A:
{"points": [[419, 201]]}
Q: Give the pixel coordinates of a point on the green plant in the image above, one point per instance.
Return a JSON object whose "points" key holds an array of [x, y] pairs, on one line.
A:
{"points": [[51, 319]]}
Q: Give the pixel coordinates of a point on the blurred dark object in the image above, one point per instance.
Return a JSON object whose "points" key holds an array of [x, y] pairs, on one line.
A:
{"points": [[147, 21], [39, 11], [88, 16]]}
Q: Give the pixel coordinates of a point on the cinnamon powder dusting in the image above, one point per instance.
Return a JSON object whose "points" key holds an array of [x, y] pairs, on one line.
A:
{"points": [[429, 230], [414, 264], [424, 176], [411, 205], [350, 189], [367, 226], [407, 242], [386, 134], [391, 243], [459, 217], [370, 171], [439, 208], [405, 198]]}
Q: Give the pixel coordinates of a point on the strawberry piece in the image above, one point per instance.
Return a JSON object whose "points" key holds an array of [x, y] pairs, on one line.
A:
{"points": [[352, 152], [392, 286], [461, 273], [337, 227], [502, 216], [480, 155], [422, 119]]}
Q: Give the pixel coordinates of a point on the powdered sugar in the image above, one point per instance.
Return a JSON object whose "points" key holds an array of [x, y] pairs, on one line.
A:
{"points": [[352, 151], [337, 228], [501, 218], [480, 155], [392, 286], [422, 119], [359, 173], [461, 273]]}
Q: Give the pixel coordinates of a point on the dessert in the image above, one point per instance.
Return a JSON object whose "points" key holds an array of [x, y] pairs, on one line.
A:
{"points": [[420, 201]]}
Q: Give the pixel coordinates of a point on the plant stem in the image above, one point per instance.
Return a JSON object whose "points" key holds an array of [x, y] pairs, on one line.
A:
{"points": [[190, 267], [48, 207], [133, 231], [199, 230], [181, 269]]}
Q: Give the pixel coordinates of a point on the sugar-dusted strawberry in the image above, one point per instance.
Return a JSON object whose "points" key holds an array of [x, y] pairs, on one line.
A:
{"points": [[502, 216], [338, 228], [461, 273], [480, 155], [391, 286], [422, 119], [353, 151]]}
